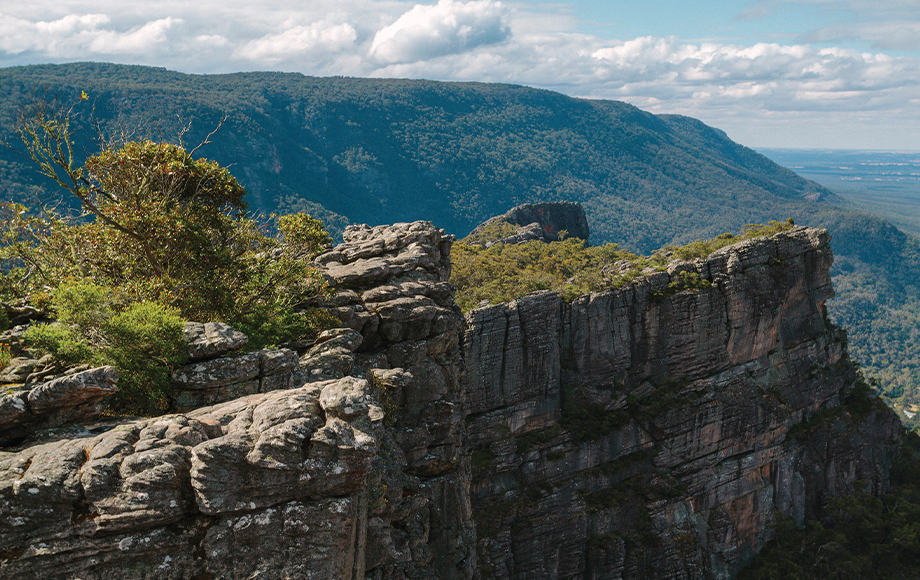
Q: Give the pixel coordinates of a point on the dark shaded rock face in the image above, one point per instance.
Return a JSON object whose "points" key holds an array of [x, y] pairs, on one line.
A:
{"points": [[645, 433], [648, 433], [539, 221]]}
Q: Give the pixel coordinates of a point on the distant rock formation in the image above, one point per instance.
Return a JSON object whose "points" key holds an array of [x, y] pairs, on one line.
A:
{"points": [[540, 221]]}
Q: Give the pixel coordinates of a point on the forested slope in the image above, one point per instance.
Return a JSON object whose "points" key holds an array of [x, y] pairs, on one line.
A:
{"points": [[383, 150]]}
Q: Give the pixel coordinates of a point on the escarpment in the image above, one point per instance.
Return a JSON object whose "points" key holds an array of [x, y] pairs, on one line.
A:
{"points": [[652, 431]]}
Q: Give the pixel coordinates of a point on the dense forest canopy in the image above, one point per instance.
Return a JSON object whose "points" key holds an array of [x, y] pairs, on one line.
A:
{"points": [[386, 150]]}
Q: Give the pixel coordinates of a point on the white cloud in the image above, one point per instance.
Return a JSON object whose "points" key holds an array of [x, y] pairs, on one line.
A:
{"points": [[134, 41], [300, 41], [80, 34], [450, 27], [741, 85]]}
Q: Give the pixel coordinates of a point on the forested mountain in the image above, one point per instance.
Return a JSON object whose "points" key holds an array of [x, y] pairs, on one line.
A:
{"points": [[381, 150]]}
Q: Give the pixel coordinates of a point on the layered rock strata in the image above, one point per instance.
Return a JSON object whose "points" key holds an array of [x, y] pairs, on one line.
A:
{"points": [[647, 432], [74, 397], [392, 289], [654, 431], [356, 473], [269, 486]]}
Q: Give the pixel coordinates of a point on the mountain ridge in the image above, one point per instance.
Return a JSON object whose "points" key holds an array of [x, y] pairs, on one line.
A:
{"points": [[350, 150]]}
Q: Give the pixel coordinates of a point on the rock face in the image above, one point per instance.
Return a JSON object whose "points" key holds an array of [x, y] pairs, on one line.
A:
{"points": [[267, 484], [540, 221], [357, 473], [74, 397], [394, 293], [652, 432], [649, 432]]}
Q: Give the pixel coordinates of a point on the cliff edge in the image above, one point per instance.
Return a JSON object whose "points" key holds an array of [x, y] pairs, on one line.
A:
{"points": [[656, 430], [650, 432]]}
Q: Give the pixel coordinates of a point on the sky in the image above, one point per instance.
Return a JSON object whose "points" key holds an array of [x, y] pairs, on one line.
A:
{"points": [[771, 73]]}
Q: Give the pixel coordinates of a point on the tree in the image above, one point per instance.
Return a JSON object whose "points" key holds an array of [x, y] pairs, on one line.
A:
{"points": [[162, 226]]}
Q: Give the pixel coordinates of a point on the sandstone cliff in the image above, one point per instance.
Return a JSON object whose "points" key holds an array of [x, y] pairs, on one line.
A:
{"points": [[652, 432], [646, 432], [358, 472]]}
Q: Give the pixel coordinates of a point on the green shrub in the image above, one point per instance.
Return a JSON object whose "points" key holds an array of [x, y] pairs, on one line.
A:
{"points": [[145, 344], [505, 272], [143, 341], [60, 341]]}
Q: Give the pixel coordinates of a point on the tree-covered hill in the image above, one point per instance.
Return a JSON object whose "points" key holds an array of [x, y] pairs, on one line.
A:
{"points": [[384, 150], [379, 151]]}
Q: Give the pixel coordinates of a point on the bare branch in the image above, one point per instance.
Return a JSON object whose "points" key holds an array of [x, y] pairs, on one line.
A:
{"points": [[207, 139]]}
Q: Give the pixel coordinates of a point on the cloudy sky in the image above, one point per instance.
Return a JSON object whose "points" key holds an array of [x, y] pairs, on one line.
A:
{"points": [[772, 73]]}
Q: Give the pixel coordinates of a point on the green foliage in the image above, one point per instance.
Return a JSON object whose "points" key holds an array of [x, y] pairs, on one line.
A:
{"points": [[148, 208], [60, 341], [303, 235], [505, 272], [145, 344], [162, 236], [857, 537], [142, 340], [684, 281], [858, 403], [481, 462], [493, 232], [701, 249], [387, 396], [5, 355]]}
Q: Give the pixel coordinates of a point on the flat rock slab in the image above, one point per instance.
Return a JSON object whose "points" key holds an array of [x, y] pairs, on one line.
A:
{"points": [[212, 339]]}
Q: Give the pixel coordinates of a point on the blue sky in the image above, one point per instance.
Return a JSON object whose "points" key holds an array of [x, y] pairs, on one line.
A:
{"points": [[771, 73]]}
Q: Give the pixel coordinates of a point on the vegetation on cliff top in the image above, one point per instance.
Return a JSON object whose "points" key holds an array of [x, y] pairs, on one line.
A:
{"points": [[504, 272], [386, 150], [161, 238]]}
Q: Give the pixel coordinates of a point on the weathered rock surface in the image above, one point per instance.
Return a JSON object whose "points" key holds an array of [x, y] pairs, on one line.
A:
{"points": [[217, 373], [75, 397], [540, 221], [394, 294], [647, 433], [358, 473], [212, 339], [267, 485]]}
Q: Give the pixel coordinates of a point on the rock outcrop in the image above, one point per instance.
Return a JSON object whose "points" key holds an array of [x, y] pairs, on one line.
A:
{"points": [[652, 432], [357, 473], [73, 397], [647, 432], [540, 221]]}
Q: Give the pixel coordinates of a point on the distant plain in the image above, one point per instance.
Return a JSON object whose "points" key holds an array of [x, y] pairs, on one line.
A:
{"points": [[883, 183]]}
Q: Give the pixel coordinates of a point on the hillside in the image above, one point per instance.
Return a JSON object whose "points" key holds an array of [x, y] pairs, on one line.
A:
{"points": [[381, 151]]}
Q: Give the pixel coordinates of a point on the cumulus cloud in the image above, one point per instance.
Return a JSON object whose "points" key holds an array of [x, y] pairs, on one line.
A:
{"points": [[85, 33], [300, 41], [742, 85], [450, 27]]}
